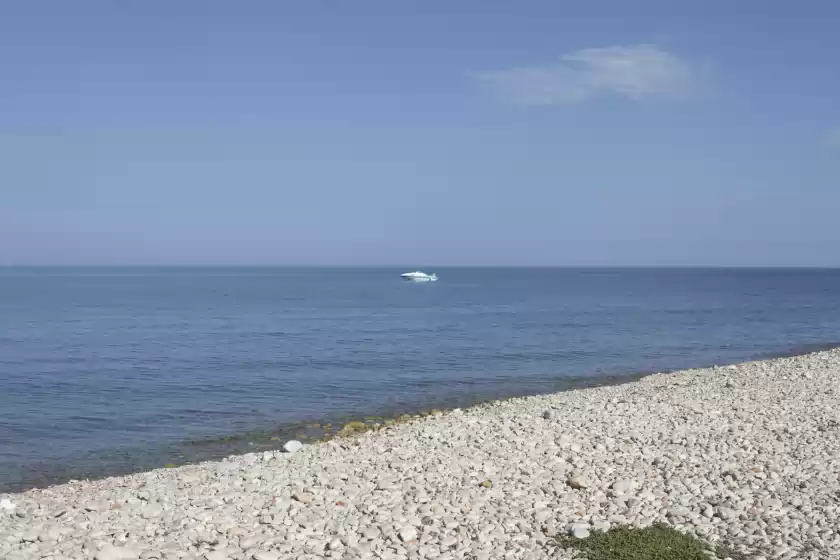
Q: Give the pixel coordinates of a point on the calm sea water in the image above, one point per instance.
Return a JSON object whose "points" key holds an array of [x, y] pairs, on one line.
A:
{"points": [[108, 370]]}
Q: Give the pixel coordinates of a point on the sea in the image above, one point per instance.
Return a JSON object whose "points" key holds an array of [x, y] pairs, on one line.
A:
{"points": [[114, 370]]}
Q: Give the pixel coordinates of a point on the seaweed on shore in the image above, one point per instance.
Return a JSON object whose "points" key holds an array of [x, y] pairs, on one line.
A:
{"points": [[657, 542]]}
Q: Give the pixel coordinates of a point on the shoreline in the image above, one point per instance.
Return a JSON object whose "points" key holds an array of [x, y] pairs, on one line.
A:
{"points": [[87, 466], [190, 452], [746, 454]]}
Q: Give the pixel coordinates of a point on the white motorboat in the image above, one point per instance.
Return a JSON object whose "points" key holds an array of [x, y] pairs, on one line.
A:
{"points": [[418, 276]]}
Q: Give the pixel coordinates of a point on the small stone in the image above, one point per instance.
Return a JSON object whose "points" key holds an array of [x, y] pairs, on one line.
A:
{"points": [[96, 506], [772, 503], [109, 552], [189, 478], [370, 533], [262, 555], [448, 543], [30, 536], [150, 512], [292, 446], [303, 497], [334, 544], [579, 532], [602, 526], [578, 482], [215, 555], [408, 534], [543, 515], [622, 486], [548, 414], [248, 543]]}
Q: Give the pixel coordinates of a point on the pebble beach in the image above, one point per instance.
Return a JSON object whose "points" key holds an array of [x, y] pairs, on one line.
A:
{"points": [[747, 455]]}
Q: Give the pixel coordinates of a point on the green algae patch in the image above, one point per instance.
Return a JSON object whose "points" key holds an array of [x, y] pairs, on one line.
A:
{"points": [[354, 427], [657, 542]]}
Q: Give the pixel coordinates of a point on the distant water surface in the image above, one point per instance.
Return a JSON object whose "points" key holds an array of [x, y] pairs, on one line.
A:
{"points": [[108, 370]]}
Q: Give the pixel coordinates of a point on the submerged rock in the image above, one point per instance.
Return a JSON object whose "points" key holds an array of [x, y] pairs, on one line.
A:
{"points": [[355, 426]]}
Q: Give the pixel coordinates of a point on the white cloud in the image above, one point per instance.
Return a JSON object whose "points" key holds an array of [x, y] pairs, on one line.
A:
{"points": [[633, 71]]}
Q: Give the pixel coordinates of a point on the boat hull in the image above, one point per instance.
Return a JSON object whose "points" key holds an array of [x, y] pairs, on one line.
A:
{"points": [[418, 277]]}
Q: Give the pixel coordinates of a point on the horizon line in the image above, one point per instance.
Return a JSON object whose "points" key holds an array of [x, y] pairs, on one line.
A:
{"points": [[430, 266]]}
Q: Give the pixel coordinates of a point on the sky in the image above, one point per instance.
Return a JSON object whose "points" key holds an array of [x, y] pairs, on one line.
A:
{"points": [[469, 132]]}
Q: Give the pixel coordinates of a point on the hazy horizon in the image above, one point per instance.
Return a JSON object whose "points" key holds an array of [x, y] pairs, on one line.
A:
{"points": [[427, 267]]}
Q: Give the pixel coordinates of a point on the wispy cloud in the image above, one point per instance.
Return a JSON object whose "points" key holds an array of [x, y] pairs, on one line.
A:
{"points": [[632, 71]]}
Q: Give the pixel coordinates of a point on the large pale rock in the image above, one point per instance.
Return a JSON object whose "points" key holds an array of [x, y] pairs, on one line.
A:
{"points": [[292, 446]]}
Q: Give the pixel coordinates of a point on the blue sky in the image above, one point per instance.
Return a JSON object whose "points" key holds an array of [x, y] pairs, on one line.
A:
{"points": [[409, 132]]}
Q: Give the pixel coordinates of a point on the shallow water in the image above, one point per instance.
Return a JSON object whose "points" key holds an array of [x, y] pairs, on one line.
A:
{"points": [[108, 370]]}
